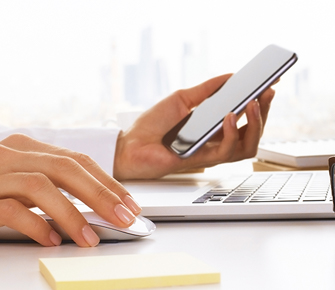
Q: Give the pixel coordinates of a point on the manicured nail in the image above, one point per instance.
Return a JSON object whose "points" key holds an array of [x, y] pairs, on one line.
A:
{"points": [[233, 120], [90, 236], [257, 110], [55, 238], [124, 214], [132, 204]]}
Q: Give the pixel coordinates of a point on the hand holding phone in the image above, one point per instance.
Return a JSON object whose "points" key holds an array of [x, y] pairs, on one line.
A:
{"points": [[253, 79]]}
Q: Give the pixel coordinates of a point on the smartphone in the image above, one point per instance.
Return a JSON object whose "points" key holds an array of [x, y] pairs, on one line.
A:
{"points": [[247, 84]]}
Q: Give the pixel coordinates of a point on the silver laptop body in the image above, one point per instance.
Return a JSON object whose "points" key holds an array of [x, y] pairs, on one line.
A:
{"points": [[258, 195]]}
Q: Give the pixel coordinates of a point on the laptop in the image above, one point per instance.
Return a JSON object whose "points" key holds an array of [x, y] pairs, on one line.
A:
{"points": [[235, 196], [267, 195]]}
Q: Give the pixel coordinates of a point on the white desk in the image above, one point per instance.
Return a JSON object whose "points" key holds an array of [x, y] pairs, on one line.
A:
{"points": [[250, 255]]}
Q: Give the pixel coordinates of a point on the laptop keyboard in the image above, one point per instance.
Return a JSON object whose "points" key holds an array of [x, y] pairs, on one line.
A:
{"points": [[273, 187]]}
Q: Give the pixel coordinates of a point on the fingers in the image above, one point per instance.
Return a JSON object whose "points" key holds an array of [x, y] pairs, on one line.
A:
{"points": [[244, 141], [236, 144], [18, 217], [166, 113], [228, 146], [66, 173], [38, 188], [25, 143], [265, 102], [216, 152], [250, 134], [31, 178], [112, 184], [194, 96]]}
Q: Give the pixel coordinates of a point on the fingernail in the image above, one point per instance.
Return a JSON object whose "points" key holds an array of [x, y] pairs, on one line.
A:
{"points": [[90, 236], [132, 204], [124, 214], [257, 110], [55, 238], [233, 120]]}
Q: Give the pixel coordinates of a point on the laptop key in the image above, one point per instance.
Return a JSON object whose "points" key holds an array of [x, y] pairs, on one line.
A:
{"points": [[314, 198], [261, 200], [219, 193], [215, 198], [288, 187], [201, 200], [293, 198], [286, 200], [237, 198]]}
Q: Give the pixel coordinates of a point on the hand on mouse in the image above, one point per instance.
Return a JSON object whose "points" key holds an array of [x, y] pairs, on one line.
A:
{"points": [[139, 150], [31, 173]]}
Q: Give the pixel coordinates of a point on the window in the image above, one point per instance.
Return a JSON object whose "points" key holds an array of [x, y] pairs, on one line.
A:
{"points": [[76, 63]]}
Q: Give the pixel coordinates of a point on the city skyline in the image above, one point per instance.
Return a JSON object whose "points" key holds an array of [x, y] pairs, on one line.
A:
{"points": [[62, 61]]}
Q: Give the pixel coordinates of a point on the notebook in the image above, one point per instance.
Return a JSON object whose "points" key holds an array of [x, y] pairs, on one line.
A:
{"points": [[298, 154], [257, 195]]}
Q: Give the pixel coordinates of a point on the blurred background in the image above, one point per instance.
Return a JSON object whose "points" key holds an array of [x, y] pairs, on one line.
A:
{"points": [[77, 63]]}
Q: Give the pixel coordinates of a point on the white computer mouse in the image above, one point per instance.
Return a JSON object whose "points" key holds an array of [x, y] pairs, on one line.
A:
{"points": [[106, 231]]}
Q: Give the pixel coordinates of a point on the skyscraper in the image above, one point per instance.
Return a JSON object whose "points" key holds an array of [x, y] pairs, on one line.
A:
{"points": [[147, 81]]}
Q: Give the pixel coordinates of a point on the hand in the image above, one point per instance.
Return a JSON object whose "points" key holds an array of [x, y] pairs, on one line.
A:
{"points": [[31, 173], [140, 153]]}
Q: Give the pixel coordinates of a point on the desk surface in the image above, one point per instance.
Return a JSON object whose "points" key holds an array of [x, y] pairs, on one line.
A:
{"points": [[250, 255]]}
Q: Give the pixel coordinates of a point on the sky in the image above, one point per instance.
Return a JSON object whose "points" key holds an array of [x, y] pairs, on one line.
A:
{"points": [[54, 50]]}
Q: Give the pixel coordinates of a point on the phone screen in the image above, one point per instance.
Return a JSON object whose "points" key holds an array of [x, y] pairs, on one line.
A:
{"points": [[248, 83]]}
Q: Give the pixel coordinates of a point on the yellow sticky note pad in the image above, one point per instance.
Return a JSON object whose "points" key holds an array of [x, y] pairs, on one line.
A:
{"points": [[126, 271]]}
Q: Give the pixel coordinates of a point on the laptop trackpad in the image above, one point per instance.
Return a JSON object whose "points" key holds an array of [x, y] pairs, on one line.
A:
{"points": [[166, 192]]}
